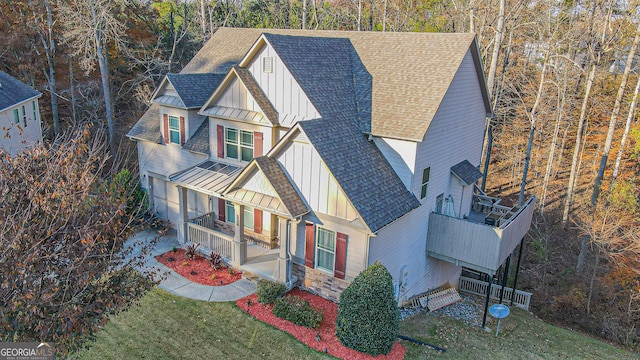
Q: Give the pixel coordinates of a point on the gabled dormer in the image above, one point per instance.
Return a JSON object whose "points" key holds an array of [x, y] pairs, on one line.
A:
{"points": [[179, 97]]}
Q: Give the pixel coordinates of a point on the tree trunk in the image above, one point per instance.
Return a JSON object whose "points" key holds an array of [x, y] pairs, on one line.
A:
{"points": [[304, 14], [72, 90], [627, 128], [614, 118], [576, 149], [593, 277], [359, 14], [103, 63], [384, 17], [552, 149], [497, 42]]}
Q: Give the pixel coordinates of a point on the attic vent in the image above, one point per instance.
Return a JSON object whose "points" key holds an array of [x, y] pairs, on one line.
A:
{"points": [[267, 64]]}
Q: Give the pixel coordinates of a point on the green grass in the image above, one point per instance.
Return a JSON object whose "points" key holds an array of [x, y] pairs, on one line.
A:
{"points": [[165, 326], [522, 336]]}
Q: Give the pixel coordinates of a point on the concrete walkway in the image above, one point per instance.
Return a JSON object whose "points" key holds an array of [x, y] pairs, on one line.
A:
{"points": [[178, 285]]}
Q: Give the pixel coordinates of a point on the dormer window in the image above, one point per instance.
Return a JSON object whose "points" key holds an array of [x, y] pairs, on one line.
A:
{"points": [[174, 130], [239, 144]]}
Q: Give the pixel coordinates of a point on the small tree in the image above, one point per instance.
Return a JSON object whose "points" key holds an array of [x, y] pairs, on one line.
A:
{"points": [[368, 318]]}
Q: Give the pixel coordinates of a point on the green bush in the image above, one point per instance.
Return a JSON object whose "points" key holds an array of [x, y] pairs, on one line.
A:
{"points": [[269, 291], [368, 317], [298, 311]]}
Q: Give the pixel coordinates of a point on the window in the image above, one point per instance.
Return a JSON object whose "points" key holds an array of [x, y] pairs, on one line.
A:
{"points": [[239, 144], [325, 249], [439, 201], [231, 215], [425, 182], [24, 116], [35, 113], [16, 116], [174, 130]]}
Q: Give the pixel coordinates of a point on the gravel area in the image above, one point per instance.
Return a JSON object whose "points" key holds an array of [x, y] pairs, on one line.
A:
{"points": [[469, 311]]}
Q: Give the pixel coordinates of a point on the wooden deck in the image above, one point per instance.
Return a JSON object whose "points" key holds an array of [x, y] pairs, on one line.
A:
{"points": [[476, 244]]}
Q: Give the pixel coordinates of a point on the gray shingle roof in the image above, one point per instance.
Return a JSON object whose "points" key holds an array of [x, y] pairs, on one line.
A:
{"points": [[199, 142], [322, 67], [372, 186], [281, 183], [13, 91], [194, 89], [148, 127], [409, 73], [466, 172], [258, 95]]}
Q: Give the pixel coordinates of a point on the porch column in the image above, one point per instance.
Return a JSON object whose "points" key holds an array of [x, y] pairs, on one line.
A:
{"points": [[184, 215], [282, 271], [239, 251], [515, 280]]}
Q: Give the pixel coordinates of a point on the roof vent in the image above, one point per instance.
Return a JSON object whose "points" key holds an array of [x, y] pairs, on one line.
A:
{"points": [[267, 64]]}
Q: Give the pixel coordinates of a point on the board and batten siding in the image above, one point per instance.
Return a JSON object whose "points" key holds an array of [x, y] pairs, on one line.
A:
{"points": [[403, 242], [455, 134], [14, 138], [401, 155], [259, 183], [282, 89], [236, 96], [164, 159], [314, 181]]}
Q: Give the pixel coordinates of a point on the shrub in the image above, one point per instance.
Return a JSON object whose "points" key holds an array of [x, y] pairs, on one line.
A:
{"points": [[368, 317], [191, 250], [216, 260], [269, 291], [298, 311]]}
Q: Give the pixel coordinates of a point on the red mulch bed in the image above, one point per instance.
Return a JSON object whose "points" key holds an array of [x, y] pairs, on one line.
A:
{"points": [[198, 269], [328, 340]]}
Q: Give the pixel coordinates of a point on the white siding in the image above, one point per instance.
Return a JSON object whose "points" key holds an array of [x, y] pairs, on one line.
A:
{"points": [[401, 155], [236, 96], [455, 134], [312, 178], [259, 183], [164, 159], [194, 122], [213, 136], [14, 138], [409, 249], [282, 89], [165, 201]]}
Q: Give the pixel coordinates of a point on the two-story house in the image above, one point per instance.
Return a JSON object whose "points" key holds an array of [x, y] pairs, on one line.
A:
{"points": [[309, 155], [19, 115]]}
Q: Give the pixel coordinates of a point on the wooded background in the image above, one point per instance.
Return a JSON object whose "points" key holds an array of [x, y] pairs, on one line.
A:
{"points": [[563, 77]]}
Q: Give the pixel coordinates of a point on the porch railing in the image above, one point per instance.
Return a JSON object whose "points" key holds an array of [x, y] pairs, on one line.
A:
{"points": [[206, 220], [211, 239], [522, 299]]}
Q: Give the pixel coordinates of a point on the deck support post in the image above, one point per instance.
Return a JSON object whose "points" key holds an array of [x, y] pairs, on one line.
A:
{"points": [[184, 215], [515, 280], [505, 277], [486, 303]]}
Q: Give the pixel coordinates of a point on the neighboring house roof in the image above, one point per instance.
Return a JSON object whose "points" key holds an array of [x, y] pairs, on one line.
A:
{"points": [[148, 127], [194, 89], [363, 173], [13, 91], [199, 142], [466, 172]]}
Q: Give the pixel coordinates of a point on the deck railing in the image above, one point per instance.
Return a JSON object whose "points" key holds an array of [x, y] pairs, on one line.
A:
{"points": [[213, 240], [522, 299]]}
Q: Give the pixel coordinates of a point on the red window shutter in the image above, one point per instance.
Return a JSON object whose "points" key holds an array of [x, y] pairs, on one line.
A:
{"points": [[182, 130], [165, 119], [341, 255], [222, 206], [220, 141], [310, 245], [257, 144], [257, 221]]}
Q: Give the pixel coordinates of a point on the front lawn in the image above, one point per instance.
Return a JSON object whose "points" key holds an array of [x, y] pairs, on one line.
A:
{"points": [[166, 326]]}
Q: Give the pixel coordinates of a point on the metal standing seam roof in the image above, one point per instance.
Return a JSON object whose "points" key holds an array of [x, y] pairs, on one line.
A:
{"points": [[13, 91], [363, 173], [466, 172], [209, 177], [199, 142]]}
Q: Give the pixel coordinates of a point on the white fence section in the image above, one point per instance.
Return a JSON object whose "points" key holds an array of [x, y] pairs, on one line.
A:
{"points": [[210, 239], [477, 287]]}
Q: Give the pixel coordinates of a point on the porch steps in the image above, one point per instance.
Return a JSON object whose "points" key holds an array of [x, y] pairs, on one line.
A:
{"points": [[437, 299]]}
